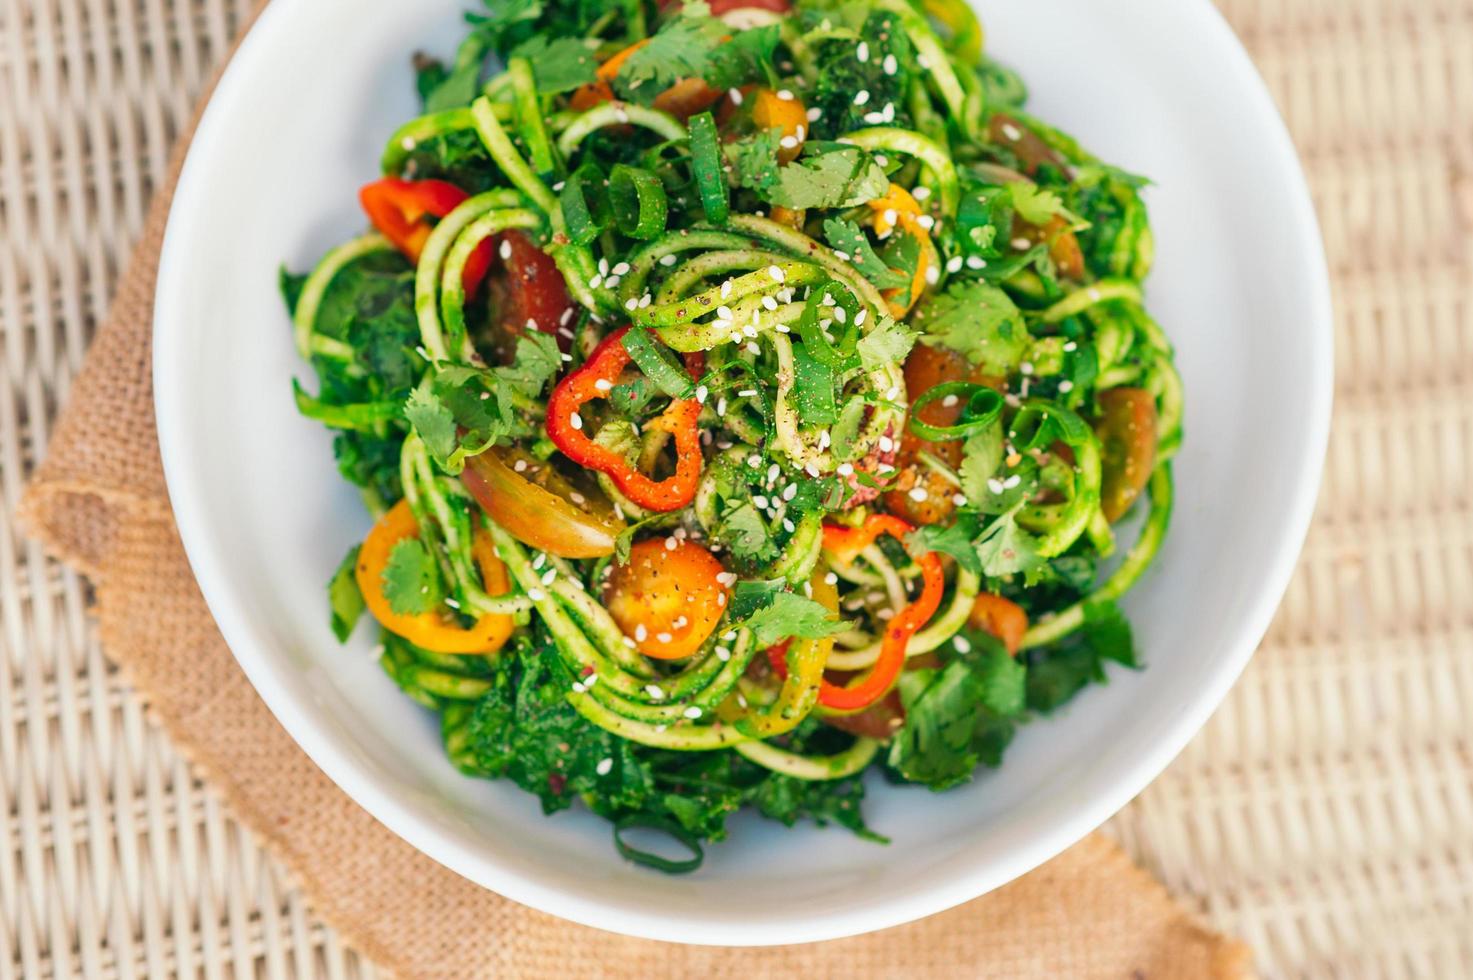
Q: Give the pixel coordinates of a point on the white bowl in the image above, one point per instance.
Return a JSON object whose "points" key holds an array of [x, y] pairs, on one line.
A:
{"points": [[1159, 86]]}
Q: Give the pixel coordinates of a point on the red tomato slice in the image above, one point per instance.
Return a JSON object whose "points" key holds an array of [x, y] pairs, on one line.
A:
{"points": [[1127, 433], [528, 294]]}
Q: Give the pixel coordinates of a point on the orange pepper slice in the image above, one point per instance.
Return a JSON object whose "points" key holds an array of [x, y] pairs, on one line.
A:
{"points": [[429, 630], [899, 208]]}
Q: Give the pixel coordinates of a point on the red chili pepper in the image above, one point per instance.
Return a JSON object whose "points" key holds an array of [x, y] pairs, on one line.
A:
{"points": [[593, 381], [846, 543], [400, 209]]}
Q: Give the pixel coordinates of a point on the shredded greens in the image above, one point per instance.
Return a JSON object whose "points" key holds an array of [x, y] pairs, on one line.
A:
{"points": [[747, 399]]}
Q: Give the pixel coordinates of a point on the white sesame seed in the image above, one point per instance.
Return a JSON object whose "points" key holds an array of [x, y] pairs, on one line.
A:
{"points": [[954, 264], [862, 52], [815, 114], [549, 576], [845, 469], [603, 384], [862, 98], [505, 249], [520, 465], [668, 260], [760, 502], [536, 595], [604, 766], [671, 543], [1065, 387], [596, 281], [776, 273], [860, 317], [1021, 244], [1012, 132], [874, 119], [976, 262], [995, 485], [962, 644], [752, 348], [1026, 367], [723, 654], [663, 637], [785, 94], [959, 499], [788, 142], [631, 304], [735, 95], [726, 289], [576, 420], [891, 65], [692, 712], [949, 401], [655, 691], [790, 491]]}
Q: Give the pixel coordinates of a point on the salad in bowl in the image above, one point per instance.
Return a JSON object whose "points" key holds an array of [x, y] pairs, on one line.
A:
{"points": [[749, 396]]}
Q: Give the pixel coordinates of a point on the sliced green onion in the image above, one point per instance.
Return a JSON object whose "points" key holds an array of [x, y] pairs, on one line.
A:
{"points": [[658, 363], [638, 200], [585, 219], [981, 407], [705, 150], [650, 860], [843, 354]]}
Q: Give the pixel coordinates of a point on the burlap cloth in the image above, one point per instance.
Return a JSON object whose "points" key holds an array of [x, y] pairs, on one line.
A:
{"points": [[99, 502]]}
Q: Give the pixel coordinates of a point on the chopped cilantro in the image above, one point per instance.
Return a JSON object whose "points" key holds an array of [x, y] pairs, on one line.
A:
{"points": [[411, 579]]}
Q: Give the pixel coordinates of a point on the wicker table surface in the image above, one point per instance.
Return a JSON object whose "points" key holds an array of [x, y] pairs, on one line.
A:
{"points": [[1326, 812]]}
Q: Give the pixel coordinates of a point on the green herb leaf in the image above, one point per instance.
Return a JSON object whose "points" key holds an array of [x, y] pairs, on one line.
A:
{"points": [[889, 343], [774, 614], [432, 420], [1006, 549], [558, 65], [954, 540], [411, 579], [1034, 204], [827, 175], [461, 86], [978, 320]]}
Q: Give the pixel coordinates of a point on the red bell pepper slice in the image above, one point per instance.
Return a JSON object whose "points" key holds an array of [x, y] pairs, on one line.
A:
{"points": [[400, 209], [846, 543], [594, 380]]}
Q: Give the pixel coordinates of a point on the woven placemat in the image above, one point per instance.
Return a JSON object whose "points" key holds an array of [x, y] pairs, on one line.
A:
{"points": [[1324, 814]]}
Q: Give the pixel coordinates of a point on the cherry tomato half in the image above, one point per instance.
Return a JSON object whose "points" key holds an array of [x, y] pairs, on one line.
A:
{"points": [[1127, 433], [668, 599], [538, 508]]}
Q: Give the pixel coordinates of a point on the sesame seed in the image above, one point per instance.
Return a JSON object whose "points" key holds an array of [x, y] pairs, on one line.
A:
{"points": [[655, 691], [604, 766], [548, 576], [754, 461], [976, 262], [1012, 132], [721, 406], [505, 249], [723, 654], [874, 119], [962, 644], [760, 501], [603, 384], [692, 712], [785, 94], [949, 401], [1026, 367], [753, 349], [790, 491], [1021, 244], [891, 65], [815, 114], [663, 637], [596, 281], [887, 444], [995, 485], [831, 579], [860, 317], [735, 95], [576, 421], [1012, 482], [862, 52], [1065, 387], [671, 543], [701, 392], [776, 273], [954, 264], [788, 142], [919, 494], [845, 469], [1071, 347], [788, 526], [772, 473], [536, 595], [631, 304], [668, 260], [520, 465], [862, 98], [959, 499], [726, 289]]}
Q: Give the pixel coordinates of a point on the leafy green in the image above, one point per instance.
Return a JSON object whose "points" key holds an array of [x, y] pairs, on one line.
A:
{"points": [[978, 320], [1006, 549], [523, 729], [842, 76], [559, 65], [462, 83], [958, 716], [695, 45], [848, 238], [411, 578], [952, 539], [774, 614], [1058, 672], [1034, 204], [484, 402], [508, 23], [826, 175], [889, 343], [343, 597]]}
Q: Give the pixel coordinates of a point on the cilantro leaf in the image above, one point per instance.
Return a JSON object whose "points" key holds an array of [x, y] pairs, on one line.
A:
{"points": [[1006, 549], [954, 540], [958, 716], [827, 175], [343, 597], [681, 49], [889, 343], [981, 457], [848, 238], [978, 320], [432, 420], [558, 65], [1034, 204], [774, 614], [411, 579], [484, 402], [1058, 672]]}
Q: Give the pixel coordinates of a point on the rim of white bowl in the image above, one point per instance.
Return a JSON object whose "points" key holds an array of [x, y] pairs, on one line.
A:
{"points": [[1054, 837]]}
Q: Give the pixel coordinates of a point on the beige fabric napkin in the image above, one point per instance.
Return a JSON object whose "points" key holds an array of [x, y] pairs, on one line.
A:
{"points": [[100, 503]]}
